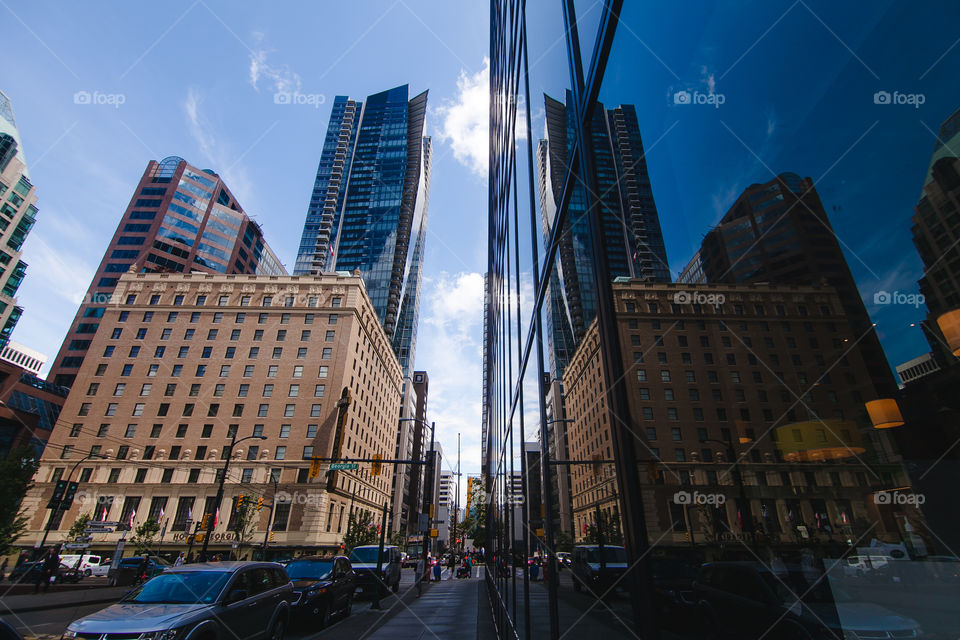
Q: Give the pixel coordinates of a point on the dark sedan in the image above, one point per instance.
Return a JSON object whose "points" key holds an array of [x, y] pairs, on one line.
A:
{"points": [[324, 588]]}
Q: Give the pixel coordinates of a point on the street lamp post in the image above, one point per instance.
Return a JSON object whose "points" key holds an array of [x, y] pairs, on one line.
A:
{"points": [[223, 476]]}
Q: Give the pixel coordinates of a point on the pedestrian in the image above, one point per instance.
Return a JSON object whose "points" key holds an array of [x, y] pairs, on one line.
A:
{"points": [[142, 569], [436, 571], [49, 568], [179, 561], [421, 571], [452, 565]]}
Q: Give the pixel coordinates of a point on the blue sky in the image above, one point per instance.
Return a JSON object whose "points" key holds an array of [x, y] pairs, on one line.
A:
{"points": [[198, 80]]}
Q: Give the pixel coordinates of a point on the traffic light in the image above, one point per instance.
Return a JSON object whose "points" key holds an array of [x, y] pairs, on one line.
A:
{"points": [[314, 469], [199, 538], [205, 523], [259, 503], [377, 465], [271, 536], [240, 501]]}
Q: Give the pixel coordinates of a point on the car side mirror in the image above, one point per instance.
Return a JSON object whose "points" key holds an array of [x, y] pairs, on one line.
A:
{"points": [[236, 595]]}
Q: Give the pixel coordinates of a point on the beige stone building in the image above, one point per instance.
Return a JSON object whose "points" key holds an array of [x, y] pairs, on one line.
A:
{"points": [[775, 372], [180, 363]]}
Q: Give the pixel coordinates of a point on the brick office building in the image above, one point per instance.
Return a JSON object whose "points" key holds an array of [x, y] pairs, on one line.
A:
{"points": [[770, 370], [180, 363]]}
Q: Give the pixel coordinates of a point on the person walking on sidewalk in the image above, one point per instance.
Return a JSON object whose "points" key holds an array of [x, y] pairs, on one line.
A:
{"points": [[179, 561], [436, 571], [421, 571], [452, 565]]}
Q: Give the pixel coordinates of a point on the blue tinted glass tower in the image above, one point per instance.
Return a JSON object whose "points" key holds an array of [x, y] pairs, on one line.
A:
{"points": [[632, 238], [368, 211]]}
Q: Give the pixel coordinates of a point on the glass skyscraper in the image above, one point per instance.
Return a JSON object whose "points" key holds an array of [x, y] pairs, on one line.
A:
{"points": [[18, 213], [632, 239], [368, 211]]}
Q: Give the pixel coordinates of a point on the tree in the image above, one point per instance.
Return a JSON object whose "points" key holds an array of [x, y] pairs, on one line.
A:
{"points": [[398, 539], [245, 519], [563, 541], [79, 527], [143, 536], [477, 500], [16, 473], [360, 530]]}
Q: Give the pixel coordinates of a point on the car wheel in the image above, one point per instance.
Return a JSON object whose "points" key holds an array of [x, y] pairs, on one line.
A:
{"points": [[326, 617], [88, 572], [279, 629], [348, 608]]}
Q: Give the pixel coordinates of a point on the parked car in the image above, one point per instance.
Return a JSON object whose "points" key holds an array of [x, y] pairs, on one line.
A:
{"points": [[127, 572], [324, 588], [28, 571], [410, 560], [364, 562], [249, 600], [595, 571], [747, 600], [564, 558], [673, 585], [83, 562]]}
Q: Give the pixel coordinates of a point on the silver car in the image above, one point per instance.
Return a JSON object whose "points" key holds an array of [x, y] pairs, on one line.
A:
{"points": [[207, 601]]}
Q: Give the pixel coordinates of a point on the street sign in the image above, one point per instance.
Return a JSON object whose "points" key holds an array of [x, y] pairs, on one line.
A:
{"points": [[76, 545], [104, 523], [344, 466], [434, 533], [80, 539], [98, 530]]}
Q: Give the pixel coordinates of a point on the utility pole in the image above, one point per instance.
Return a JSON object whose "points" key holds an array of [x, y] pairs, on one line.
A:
{"points": [[219, 498]]}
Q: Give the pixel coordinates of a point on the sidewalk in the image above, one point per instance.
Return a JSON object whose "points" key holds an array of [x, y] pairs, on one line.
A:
{"points": [[447, 610], [57, 600]]}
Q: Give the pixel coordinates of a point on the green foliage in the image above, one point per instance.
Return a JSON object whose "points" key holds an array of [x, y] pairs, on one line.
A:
{"points": [[16, 473], [80, 525], [563, 541], [360, 530], [143, 536], [478, 516], [398, 539], [245, 521]]}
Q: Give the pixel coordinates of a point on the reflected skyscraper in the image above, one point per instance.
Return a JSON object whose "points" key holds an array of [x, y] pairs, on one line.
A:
{"points": [[632, 238], [368, 211]]}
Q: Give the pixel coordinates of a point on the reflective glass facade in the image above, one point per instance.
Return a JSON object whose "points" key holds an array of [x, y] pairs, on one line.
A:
{"points": [[369, 206], [727, 455]]}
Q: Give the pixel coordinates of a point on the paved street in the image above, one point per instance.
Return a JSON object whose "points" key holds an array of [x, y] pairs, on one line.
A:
{"points": [[446, 609]]}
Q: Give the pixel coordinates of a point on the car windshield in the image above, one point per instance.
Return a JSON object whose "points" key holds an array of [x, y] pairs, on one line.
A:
{"points": [[809, 588], [188, 587], [310, 569], [610, 554], [367, 555]]}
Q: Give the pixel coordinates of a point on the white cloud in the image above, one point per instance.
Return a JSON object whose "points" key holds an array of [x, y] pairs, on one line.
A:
{"points": [[465, 120], [450, 350], [279, 78]]}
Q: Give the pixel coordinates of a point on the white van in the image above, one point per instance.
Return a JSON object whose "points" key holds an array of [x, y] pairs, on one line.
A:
{"points": [[88, 563]]}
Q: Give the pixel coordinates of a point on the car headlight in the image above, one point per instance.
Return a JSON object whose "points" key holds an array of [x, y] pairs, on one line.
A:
{"points": [[69, 634], [166, 634]]}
